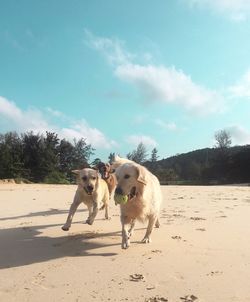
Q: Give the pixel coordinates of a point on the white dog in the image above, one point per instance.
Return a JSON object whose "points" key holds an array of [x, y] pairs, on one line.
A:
{"points": [[143, 194], [92, 190]]}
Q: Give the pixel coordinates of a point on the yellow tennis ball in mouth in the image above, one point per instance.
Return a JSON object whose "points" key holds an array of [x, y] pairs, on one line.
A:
{"points": [[120, 199]]}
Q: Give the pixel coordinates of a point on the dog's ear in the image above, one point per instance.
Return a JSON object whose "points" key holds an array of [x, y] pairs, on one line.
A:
{"points": [[142, 178], [77, 172], [98, 178]]}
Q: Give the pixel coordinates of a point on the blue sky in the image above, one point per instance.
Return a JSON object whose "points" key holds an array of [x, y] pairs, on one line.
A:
{"points": [[166, 73]]}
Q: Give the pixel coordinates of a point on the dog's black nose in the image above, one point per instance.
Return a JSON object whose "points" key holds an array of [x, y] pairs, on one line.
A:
{"points": [[90, 188], [118, 190]]}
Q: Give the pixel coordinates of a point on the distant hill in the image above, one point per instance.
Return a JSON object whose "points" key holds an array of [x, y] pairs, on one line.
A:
{"points": [[205, 166]]}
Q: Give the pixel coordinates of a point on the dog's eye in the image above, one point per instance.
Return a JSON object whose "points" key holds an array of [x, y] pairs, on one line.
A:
{"points": [[126, 176], [94, 178], [84, 178]]}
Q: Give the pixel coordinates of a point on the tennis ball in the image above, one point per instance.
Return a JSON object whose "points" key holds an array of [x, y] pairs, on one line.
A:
{"points": [[120, 199]]}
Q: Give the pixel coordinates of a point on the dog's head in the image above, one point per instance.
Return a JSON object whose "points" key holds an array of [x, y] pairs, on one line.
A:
{"points": [[119, 161], [131, 180], [88, 179], [104, 169]]}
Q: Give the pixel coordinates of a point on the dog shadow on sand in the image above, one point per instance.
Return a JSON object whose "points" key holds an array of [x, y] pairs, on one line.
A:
{"points": [[26, 245], [51, 211]]}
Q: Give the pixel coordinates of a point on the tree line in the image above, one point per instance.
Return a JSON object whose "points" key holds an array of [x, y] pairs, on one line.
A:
{"points": [[46, 158], [221, 164], [41, 158]]}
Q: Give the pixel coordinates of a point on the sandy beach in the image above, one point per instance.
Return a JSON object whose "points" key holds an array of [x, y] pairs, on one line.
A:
{"points": [[200, 253]]}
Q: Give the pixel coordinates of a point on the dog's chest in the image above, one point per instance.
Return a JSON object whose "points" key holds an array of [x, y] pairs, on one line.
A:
{"points": [[134, 209], [111, 183], [84, 197]]}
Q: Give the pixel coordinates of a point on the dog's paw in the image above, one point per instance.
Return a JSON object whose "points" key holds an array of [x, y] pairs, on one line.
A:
{"points": [[146, 240], [89, 221], [157, 224], [65, 228], [125, 243]]}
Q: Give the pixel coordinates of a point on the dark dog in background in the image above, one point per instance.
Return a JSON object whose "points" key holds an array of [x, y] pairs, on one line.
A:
{"points": [[106, 173]]}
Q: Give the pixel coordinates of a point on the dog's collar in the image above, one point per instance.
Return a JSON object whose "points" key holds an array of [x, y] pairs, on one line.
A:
{"points": [[106, 178]]}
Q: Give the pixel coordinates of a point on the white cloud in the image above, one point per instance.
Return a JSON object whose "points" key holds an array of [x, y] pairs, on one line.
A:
{"points": [[112, 49], [239, 134], [156, 83], [171, 86], [54, 112], [237, 10], [242, 87], [137, 139], [171, 126], [12, 118], [9, 109], [81, 129]]}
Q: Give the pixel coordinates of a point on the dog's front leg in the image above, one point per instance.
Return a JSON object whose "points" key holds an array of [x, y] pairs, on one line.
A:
{"points": [[106, 212], [151, 221], [125, 233], [92, 216], [157, 223], [131, 229], [90, 209], [72, 210]]}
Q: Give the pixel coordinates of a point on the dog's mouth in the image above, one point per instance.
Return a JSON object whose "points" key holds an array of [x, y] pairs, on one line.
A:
{"points": [[88, 191], [132, 193], [105, 175]]}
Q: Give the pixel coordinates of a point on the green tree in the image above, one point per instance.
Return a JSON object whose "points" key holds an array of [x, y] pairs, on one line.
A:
{"points": [[11, 153], [222, 160], [41, 158], [139, 155], [222, 139], [32, 155], [49, 150], [95, 162], [73, 156], [111, 157], [154, 155], [81, 154], [65, 154]]}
